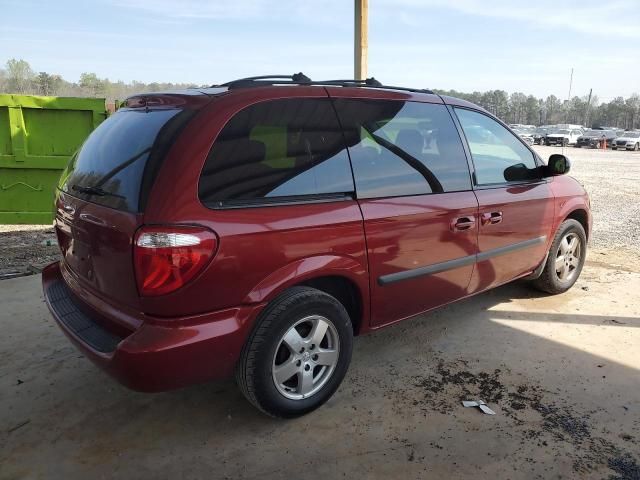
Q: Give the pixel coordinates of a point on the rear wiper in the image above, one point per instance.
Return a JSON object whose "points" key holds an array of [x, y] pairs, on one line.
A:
{"points": [[90, 190], [94, 190]]}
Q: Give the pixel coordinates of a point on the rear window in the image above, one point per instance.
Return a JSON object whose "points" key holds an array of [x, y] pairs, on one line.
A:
{"points": [[277, 151], [119, 159]]}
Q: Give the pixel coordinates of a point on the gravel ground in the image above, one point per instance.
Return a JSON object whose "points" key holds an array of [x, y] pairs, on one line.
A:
{"points": [[611, 178], [26, 248]]}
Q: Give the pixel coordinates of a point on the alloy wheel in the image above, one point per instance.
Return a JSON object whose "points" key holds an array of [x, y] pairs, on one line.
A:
{"points": [[568, 257], [306, 357]]}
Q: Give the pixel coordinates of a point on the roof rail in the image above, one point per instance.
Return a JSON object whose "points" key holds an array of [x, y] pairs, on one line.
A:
{"points": [[301, 79], [297, 78]]}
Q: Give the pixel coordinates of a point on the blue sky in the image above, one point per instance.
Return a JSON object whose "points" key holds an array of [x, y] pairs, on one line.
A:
{"points": [[460, 44]]}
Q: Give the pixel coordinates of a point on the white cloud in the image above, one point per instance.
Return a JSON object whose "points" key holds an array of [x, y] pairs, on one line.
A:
{"points": [[312, 11], [612, 18]]}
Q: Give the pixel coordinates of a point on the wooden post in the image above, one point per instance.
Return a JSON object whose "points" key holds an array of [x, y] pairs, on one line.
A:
{"points": [[361, 43]]}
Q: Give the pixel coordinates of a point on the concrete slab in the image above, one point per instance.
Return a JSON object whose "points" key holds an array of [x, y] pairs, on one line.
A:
{"points": [[562, 374]]}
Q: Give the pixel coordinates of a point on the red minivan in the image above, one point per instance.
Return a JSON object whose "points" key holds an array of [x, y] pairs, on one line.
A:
{"points": [[256, 227]]}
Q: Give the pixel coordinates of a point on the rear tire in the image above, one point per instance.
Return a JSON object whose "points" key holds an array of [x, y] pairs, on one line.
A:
{"points": [[298, 353], [565, 260]]}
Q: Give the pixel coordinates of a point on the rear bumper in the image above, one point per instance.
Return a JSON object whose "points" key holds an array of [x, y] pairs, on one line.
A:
{"points": [[160, 354]]}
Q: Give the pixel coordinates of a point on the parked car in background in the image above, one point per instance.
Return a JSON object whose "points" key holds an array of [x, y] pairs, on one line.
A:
{"points": [[563, 137], [627, 141], [254, 228], [571, 126], [596, 138], [540, 134], [525, 134]]}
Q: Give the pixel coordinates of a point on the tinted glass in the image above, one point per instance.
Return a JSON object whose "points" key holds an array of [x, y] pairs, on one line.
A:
{"points": [[277, 149], [112, 160], [498, 155], [402, 148]]}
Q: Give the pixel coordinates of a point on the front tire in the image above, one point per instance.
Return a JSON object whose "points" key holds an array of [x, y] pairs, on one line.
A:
{"points": [[298, 353], [565, 260], [636, 147]]}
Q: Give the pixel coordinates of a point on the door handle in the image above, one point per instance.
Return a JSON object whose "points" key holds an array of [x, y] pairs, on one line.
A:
{"points": [[491, 218], [461, 224]]}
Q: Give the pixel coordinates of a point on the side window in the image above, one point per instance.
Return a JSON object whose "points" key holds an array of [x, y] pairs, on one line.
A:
{"points": [[402, 148], [498, 155], [274, 150]]}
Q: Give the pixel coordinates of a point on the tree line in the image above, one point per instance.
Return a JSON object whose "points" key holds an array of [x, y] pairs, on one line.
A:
{"points": [[18, 77], [586, 110]]}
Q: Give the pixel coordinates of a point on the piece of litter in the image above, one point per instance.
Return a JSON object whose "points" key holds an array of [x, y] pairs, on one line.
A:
{"points": [[480, 404], [613, 320]]}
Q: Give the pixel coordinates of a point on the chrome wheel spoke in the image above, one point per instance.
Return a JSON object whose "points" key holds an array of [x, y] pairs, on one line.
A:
{"points": [[327, 357], [305, 381], [573, 261], [573, 243], [559, 263], [284, 372], [293, 340], [318, 332], [564, 246], [564, 270]]}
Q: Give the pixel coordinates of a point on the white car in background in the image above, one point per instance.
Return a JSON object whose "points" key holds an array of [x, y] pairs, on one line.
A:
{"points": [[563, 136], [524, 134], [627, 141]]}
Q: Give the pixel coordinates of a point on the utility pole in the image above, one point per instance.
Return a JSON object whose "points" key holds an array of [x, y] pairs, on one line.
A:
{"points": [[566, 117], [361, 42], [586, 110]]}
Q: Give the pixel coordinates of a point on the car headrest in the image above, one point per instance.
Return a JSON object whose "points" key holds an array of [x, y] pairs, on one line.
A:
{"points": [[411, 141]]}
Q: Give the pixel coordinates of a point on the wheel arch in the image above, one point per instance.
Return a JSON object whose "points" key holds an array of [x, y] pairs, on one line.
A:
{"points": [[342, 277], [345, 291], [581, 216]]}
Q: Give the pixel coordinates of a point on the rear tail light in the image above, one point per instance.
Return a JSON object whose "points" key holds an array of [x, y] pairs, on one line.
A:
{"points": [[167, 257]]}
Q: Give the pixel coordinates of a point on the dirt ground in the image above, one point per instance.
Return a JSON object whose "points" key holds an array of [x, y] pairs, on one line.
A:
{"points": [[562, 374]]}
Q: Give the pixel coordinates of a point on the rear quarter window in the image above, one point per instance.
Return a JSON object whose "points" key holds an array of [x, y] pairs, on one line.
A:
{"points": [[277, 151], [119, 158]]}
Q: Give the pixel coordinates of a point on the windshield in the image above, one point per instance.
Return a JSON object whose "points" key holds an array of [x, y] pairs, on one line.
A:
{"points": [[631, 134], [563, 132]]}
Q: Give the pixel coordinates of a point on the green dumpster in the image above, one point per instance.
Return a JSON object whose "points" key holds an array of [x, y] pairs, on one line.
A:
{"points": [[38, 136]]}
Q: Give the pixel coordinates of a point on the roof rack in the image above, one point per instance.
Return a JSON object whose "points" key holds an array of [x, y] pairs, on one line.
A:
{"points": [[296, 78], [301, 79]]}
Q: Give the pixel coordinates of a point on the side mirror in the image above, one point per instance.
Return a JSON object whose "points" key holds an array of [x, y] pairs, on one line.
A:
{"points": [[519, 173], [558, 165]]}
